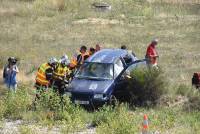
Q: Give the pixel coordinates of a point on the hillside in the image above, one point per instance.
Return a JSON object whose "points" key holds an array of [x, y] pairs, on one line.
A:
{"points": [[34, 30]]}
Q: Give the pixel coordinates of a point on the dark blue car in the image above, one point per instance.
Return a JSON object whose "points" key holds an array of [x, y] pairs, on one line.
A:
{"points": [[101, 79]]}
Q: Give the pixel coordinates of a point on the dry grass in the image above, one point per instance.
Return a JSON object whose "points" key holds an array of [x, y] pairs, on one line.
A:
{"points": [[37, 32]]}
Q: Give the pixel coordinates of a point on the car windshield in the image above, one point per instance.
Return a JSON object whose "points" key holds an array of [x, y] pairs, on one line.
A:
{"points": [[93, 70]]}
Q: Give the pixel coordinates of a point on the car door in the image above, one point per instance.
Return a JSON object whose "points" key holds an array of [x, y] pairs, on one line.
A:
{"points": [[119, 82], [121, 91]]}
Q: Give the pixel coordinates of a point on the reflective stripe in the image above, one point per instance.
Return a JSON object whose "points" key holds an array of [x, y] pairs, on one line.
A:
{"points": [[145, 124], [41, 76], [61, 71], [74, 60]]}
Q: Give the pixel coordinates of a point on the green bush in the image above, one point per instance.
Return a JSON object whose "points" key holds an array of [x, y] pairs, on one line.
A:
{"points": [[146, 86], [54, 109], [104, 115], [115, 120], [16, 103]]}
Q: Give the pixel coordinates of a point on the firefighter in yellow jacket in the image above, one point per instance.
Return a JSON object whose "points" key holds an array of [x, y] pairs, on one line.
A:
{"points": [[61, 74], [44, 75]]}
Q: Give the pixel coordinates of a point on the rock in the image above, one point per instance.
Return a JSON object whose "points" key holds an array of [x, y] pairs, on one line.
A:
{"points": [[102, 6]]}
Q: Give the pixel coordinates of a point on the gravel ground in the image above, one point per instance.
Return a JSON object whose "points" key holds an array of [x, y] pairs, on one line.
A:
{"points": [[14, 127]]}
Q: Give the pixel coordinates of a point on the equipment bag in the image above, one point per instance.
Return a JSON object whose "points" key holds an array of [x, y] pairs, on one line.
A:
{"points": [[5, 72]]}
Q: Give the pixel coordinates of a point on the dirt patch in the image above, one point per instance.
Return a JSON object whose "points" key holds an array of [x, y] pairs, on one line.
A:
{"points": [[8, 12], [169, 101], [98, 21]]}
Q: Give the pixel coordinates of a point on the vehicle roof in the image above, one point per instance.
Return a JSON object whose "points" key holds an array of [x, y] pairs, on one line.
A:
{"points": [[107, 55]]}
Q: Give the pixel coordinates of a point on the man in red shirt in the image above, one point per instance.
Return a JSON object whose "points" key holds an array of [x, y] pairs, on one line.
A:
{"points": [[151, 54]]}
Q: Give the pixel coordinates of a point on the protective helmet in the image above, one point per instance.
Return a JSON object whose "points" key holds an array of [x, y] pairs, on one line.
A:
{"points": [[53, 61], [65, 60]]}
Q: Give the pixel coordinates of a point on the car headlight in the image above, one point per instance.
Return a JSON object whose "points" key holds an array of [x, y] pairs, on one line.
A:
{"points": [[98, 96], [69, 94]]}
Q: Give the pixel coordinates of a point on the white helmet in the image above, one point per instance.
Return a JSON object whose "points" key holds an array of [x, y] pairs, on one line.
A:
{"points": [[65, 60], [53, 60]]}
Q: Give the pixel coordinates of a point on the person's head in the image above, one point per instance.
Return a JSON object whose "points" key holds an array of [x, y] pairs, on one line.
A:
{"points": [[53, 62], [154, 42], [83, 49], [64, 60], [92, 51], [98, 47], [123, 47], [12, 61]]}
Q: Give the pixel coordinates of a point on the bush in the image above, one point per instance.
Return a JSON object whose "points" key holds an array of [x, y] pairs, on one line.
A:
{"points": [[16, 103], [115, 120], [146, 86], [104, 115], [53, 109]]}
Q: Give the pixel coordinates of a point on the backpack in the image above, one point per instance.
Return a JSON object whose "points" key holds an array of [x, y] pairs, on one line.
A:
{"points": [[5, 72]]}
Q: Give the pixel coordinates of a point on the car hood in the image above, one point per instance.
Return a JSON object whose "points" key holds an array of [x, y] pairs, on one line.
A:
{"points": [[88, 86]]}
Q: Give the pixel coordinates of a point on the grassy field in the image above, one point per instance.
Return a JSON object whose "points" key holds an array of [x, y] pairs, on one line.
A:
{"points": [[34, 30]]}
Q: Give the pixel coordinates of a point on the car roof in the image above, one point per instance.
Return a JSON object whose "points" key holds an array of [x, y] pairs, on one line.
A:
{"points": [[107, 55]]}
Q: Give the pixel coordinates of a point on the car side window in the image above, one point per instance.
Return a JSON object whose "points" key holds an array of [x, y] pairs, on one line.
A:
{"points": [[118, 67], [137, 65], [128, 59]]}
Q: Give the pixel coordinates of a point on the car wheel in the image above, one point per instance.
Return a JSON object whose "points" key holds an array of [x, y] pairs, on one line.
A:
{"points": [[113, 100]]}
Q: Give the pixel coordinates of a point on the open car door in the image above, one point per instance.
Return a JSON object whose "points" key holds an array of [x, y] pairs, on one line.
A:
{"points": [[121, 91]]}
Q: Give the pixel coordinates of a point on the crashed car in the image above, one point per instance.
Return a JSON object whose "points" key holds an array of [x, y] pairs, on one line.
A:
{"points": [[102, 78]]}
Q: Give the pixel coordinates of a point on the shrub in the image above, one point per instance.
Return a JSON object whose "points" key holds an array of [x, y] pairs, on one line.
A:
{"points": [[104, 115], [146, 86], [56, 110], [16, 103], [115, 120]]}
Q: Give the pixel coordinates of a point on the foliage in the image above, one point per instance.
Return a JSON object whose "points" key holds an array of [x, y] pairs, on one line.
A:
{"points": [[193, 100], [146, 86], [15, 104]]}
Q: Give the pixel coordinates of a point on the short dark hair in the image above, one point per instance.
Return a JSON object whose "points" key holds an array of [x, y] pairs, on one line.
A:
{"points": [[92, 49], [12, 60], [123, 47], [83, 48]]}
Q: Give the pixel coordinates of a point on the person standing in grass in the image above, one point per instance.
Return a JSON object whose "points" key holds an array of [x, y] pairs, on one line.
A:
{"points": [[151, 54], [10, 72]]}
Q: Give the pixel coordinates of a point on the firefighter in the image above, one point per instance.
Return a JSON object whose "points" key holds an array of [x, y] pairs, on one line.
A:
{"points": [[78, 59], [44, 75], [151, 54], [61, 75]]}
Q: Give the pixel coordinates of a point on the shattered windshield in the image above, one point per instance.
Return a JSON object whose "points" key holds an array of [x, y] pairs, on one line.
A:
{"points": [[92, 70]]}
